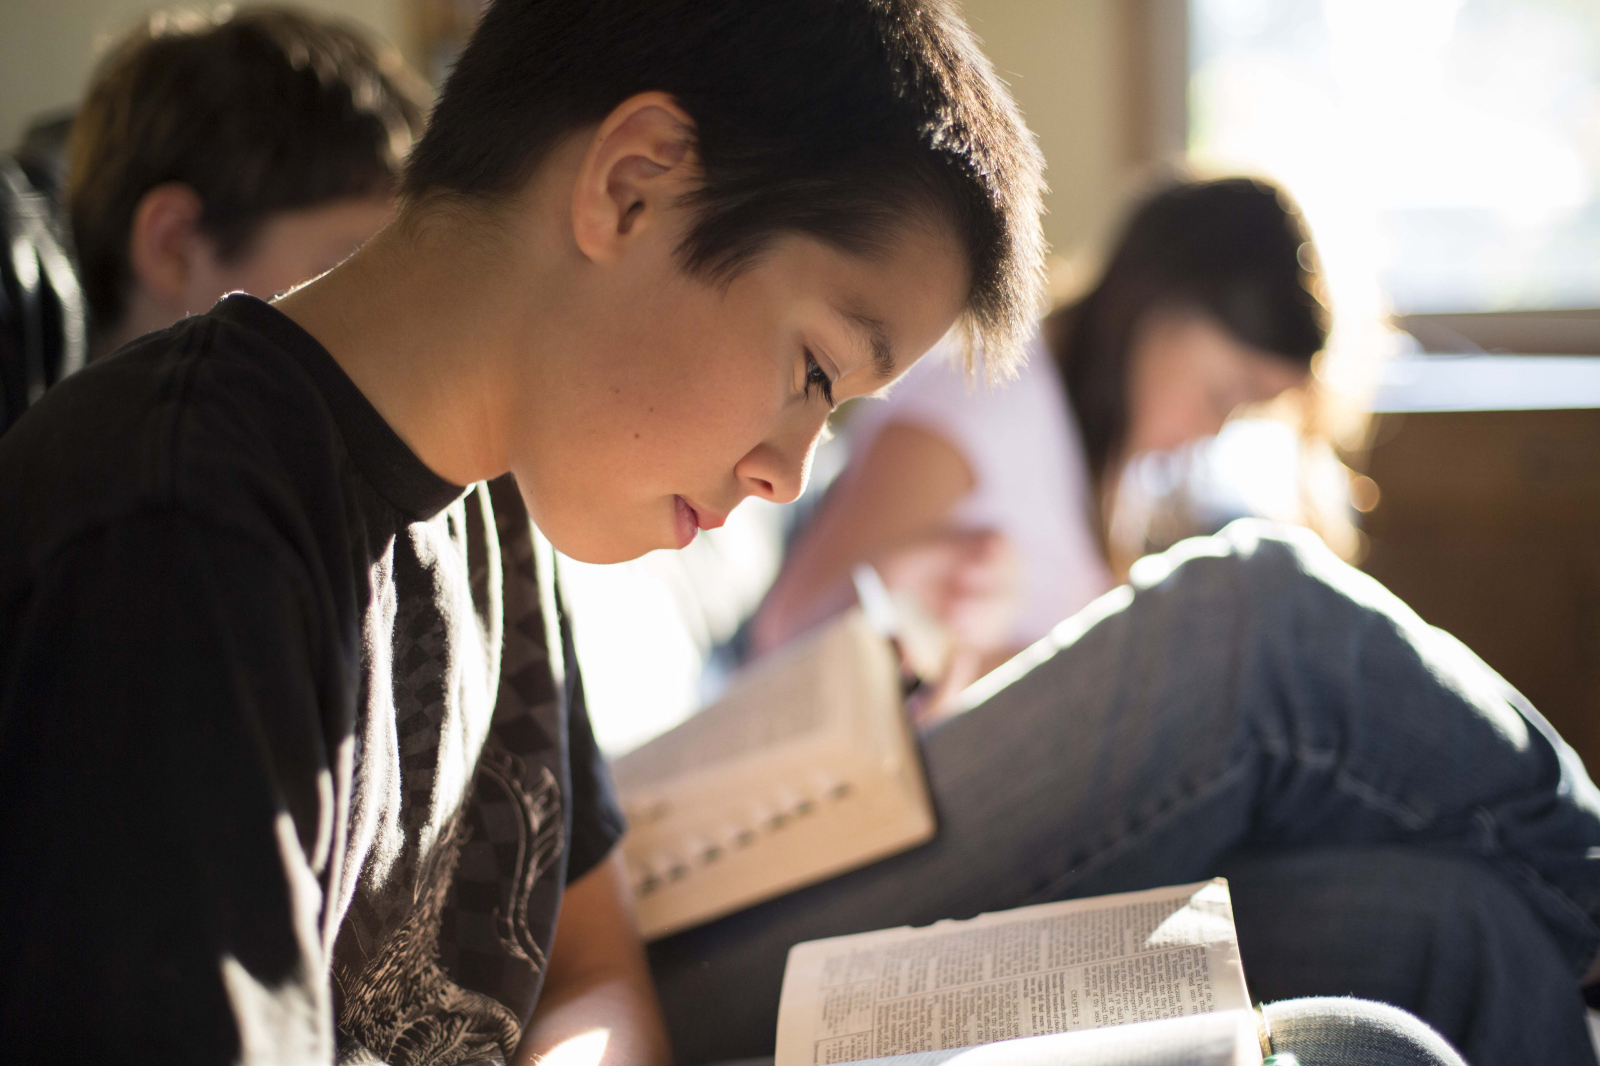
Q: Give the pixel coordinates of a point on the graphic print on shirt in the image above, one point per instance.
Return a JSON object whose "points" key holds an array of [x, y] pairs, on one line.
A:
{"points": [[438, 963]]}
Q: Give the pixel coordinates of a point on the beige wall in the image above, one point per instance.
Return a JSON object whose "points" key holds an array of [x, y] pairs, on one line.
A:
{"points": [[1066, 63], [48, 47], [1102, 84]]}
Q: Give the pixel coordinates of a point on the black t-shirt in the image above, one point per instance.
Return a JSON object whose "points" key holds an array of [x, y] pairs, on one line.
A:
{"points": [[289, 732]]}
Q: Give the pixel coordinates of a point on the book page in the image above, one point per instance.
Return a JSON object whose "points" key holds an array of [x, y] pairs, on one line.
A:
{"points": [[782, 700], [1222, 1038], [1053, 968], [805, 768]]}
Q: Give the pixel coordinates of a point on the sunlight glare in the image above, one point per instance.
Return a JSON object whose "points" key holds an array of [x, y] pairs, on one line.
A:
{"points": [[585, 1049]]}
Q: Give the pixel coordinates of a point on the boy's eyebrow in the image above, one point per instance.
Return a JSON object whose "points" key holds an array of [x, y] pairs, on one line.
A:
{"points": [[877, 337]]}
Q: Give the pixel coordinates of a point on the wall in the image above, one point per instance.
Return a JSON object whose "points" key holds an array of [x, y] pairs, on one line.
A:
{"points": [[1101, 83], [1064, 63], [49, 47]]}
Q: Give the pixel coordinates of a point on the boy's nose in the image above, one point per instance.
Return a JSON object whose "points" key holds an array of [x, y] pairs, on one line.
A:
{"points": [[774, 473]]}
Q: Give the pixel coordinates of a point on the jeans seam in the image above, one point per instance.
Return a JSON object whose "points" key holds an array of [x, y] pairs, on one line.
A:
{"points": [[1186, 799], [1326, 760], [1491, 849], [1380, 801]]}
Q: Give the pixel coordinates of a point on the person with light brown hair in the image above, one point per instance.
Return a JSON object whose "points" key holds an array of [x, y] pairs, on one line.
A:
{"points": [[243, 150]]}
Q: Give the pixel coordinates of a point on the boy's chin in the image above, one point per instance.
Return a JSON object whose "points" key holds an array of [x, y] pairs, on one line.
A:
{"points": [[605, 548], [606, 554], [577, 530]]}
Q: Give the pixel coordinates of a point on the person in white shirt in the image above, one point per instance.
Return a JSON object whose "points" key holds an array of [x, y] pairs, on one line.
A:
{"points": [[987, 501], [1394, 821]]}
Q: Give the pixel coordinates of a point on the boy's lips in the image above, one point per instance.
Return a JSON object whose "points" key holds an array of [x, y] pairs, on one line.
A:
{"points": [[689, 519]]}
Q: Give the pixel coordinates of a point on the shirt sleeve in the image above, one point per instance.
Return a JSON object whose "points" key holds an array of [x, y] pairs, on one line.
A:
{"points": [[1031, 481], [935, 395], [597, 819], [991, 424], [165, 806]]}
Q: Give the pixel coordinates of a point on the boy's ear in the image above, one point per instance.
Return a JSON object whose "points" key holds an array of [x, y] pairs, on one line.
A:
{"points": [[164, 241], [640, 161]]}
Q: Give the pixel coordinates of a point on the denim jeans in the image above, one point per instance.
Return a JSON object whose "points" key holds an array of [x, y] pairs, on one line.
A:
{"points": [[1357, 1032], [1398, 821]]}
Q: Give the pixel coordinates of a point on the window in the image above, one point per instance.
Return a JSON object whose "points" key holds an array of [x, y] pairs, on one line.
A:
{"points": [[1448, 148]]}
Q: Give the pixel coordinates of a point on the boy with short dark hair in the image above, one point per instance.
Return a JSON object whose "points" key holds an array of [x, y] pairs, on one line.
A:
{"points": [[294, 764], [245, 150]]}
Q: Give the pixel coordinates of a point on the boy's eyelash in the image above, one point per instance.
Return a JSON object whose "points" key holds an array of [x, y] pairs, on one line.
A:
{"points": [[817, 378]]}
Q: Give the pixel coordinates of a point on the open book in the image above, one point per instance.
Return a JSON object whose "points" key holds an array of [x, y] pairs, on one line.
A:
{"points": [[804, 769], [1140, 979]]}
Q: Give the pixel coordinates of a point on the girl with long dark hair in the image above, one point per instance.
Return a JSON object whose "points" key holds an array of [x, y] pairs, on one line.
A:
{"points": [[990, 504]]}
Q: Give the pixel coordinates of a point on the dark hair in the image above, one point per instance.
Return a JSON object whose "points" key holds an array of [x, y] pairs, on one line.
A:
{"points": [[1235, 249], [263, 111], [832, 118]]}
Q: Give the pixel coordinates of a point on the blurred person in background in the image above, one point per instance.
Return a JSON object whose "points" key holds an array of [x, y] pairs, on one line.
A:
{"points": [[43, 324], [991, 505], [246, 150]]}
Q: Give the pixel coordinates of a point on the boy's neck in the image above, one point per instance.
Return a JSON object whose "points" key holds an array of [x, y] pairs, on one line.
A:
{"points": [[425, 324]]}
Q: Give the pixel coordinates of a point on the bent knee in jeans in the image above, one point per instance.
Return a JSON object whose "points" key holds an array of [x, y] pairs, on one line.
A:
{"points": [[1355, 1032]]}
